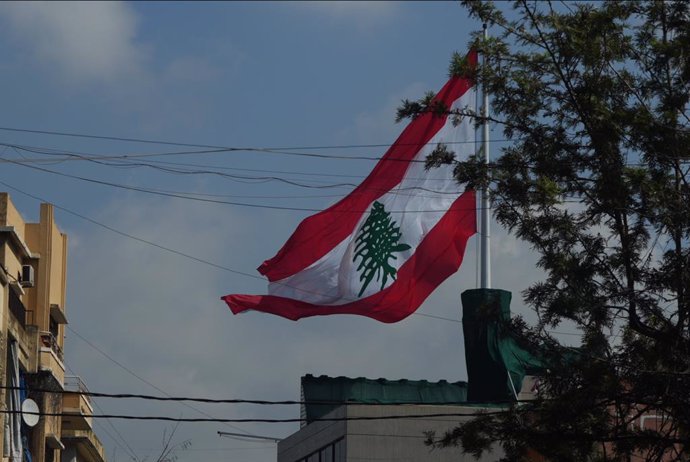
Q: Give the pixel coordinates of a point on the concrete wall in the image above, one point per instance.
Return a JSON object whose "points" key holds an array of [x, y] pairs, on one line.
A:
{"points": [[10, 254], [312, 437], [51, 275], [9, 215]]}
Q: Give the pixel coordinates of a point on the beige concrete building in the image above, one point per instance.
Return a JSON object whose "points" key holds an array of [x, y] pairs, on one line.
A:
{"points": [[393, 439], [374, 419], [33, 272]]}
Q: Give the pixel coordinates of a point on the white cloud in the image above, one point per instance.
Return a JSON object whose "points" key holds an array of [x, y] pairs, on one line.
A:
{"points": [[99, 52], [83, 41]]}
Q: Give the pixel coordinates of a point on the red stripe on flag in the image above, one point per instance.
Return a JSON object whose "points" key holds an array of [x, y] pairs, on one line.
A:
{"points": [[438, 256], [318, 234]]}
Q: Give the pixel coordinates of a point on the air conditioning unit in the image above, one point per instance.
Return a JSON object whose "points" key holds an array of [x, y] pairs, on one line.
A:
{"points": [[27, 276]]}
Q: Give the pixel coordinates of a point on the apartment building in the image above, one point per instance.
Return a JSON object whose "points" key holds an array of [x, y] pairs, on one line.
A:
{"points": [[33, 267]]}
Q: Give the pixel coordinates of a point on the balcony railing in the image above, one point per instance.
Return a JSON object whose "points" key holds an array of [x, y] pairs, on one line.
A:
{"points": [[74, 384], [48, 340]]}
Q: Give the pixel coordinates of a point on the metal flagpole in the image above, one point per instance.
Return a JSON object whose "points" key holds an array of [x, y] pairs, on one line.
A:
{"points": [[485, 278]]}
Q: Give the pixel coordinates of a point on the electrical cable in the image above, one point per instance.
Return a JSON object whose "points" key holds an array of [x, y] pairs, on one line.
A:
{"points": [[322, 402], [429, 416], [226, 148], [24, 162], [101, 159], [152, 164], [122, 164], [233, 203], [243, 204], [73, 155]]}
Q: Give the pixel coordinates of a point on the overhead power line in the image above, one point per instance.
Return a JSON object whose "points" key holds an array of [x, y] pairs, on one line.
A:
{"points": [[179, 168], [425, 416], [260, 402], [103, 159], [239, 204], [221, 150], [119, 161], [277, 150]]}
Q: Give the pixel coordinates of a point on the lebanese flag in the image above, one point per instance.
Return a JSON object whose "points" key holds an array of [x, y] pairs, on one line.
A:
{"points": [[380, 251]]}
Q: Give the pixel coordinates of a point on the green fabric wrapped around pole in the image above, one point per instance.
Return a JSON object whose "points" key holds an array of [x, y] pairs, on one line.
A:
{"points": [[496, 363]]}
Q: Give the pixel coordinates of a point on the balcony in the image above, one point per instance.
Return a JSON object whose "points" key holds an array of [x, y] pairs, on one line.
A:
{"points": [[49, 343], [75, 384], [76, 406], [86, 443], [51, 357]]}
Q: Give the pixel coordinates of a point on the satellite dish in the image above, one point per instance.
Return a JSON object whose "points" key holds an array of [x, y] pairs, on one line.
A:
{"points": [[30, 412]]}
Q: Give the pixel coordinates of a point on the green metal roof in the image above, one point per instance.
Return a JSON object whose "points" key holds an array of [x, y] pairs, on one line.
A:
{"points": [[334, 390]]}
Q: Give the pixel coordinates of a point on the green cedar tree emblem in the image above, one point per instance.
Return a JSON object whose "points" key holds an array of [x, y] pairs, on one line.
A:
{"points": [[377, 240]]}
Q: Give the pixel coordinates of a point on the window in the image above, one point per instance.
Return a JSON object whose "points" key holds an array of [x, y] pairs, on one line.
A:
{"points": [[334, 452], [339, 451]]}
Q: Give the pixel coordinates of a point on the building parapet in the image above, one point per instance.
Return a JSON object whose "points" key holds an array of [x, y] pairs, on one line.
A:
{"points": [[75, 385]]}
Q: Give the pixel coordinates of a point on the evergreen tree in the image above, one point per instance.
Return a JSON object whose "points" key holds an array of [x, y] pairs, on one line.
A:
{"points": [[595, 99]]}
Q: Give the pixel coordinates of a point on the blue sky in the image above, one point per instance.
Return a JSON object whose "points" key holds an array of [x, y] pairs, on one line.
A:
{"points": [[229, 74]]}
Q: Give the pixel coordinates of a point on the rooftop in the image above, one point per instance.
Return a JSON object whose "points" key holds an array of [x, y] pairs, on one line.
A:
{"points": [[334, 391]]}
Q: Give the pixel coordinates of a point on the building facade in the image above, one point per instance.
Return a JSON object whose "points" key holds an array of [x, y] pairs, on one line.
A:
{"points": [[377, 423], [33, 271]]}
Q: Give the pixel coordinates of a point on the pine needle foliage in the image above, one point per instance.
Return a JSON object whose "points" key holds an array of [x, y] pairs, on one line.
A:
{"points": [[595, 98]]}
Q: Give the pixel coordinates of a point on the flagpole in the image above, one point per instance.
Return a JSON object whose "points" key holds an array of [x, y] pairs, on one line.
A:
{"points": [[485, 278]]}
